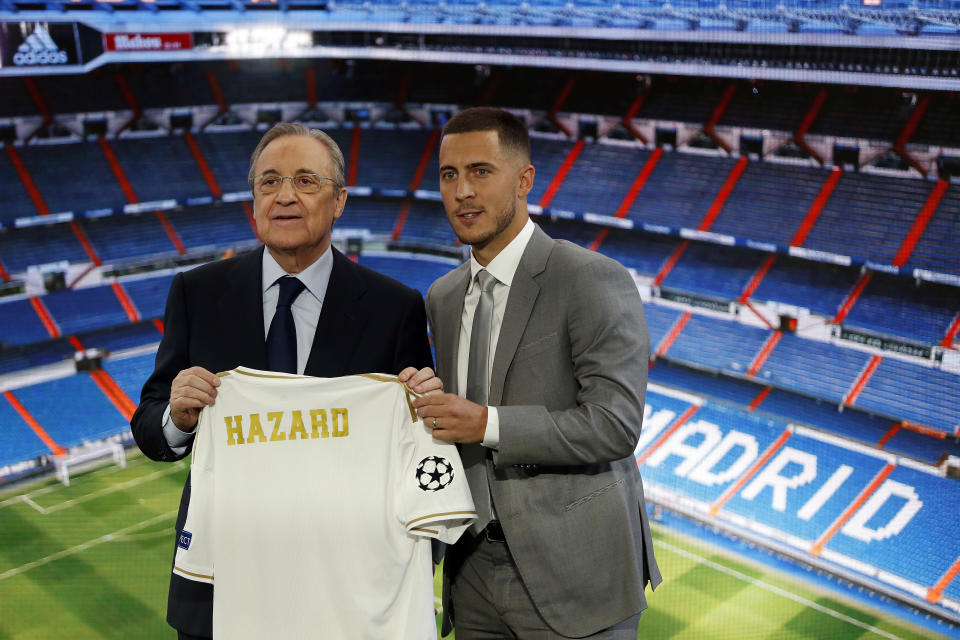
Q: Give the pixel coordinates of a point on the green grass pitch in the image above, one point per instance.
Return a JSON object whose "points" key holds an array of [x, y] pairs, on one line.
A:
{"points": [[92, 561]]}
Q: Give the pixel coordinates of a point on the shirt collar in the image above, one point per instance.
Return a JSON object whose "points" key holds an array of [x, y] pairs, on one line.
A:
{"points": [[315, 278], [504, 265]]}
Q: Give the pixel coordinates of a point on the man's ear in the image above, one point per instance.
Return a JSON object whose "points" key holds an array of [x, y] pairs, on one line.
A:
{"points": [[526, 181]]}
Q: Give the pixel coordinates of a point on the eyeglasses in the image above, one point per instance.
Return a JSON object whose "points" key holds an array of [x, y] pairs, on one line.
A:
{"points": [[302, 182]]}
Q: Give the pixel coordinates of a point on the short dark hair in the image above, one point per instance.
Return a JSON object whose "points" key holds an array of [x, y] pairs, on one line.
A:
{"points": [[511, 131]]}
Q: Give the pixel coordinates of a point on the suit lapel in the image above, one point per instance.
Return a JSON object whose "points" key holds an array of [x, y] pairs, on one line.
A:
{"points": [[340, 324], [242, 302], [523, 294], [447, 342]]}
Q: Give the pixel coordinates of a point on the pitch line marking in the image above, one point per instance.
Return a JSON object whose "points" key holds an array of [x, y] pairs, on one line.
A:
{"points": [[26, 498], [110, 537], [135, 462], [90, 496], [777, 590]]}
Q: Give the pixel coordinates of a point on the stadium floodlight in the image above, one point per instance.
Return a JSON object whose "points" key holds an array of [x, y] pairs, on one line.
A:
{"points": [[263, 40]]}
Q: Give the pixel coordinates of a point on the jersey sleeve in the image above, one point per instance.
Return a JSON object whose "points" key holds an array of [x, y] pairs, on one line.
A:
{"points": [[194, 558], [435, 499]]}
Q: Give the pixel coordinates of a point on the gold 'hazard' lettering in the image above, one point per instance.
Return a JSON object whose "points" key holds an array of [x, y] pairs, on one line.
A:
{"points": [[288, 425]]}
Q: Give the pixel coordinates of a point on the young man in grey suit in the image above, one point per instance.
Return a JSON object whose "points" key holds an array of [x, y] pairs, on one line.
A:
{"points": [[548, 361]]}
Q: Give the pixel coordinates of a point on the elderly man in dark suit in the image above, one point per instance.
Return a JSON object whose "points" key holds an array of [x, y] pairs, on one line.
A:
{"points": [[295, 305], [547, 342]]}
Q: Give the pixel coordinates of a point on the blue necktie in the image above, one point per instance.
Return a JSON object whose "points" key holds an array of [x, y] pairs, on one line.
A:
{"points": [[282, 337]]}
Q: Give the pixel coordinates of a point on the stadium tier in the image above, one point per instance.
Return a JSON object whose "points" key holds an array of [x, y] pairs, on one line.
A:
{"points": [[850, 422], [826, 498]]}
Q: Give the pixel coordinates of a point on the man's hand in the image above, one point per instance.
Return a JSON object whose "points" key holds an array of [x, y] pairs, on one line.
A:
{"points": [[191, 391], [452, 418], [423, 381]]}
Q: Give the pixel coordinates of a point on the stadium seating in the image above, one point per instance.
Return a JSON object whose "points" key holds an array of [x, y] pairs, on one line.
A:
{"points": [[815, 368], [115, 238], [891, 306], [388, 158], [218, 225], [426, 221], [85, 309], [160, 168], [20, 324], [937, 248], [17, 201], [757, 207], [705, 270], [718, 344], [920, 394], [868, 215], [417, 272], [45, 402], [72, 177], [821, 288], [681, 189], [599, 179], [830, 500], [22, 248], [17, 441], [550, 155], [228, 156]]}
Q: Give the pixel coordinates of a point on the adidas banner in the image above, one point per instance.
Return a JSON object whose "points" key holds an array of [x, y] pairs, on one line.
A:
{"points": [[38, 44]]}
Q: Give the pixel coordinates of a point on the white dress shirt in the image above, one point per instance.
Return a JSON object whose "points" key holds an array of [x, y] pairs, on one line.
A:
{"points": [[503, 267], [306, 313]]}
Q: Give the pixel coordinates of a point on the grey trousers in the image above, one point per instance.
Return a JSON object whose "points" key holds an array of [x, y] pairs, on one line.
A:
{"points": [[490, 602]]}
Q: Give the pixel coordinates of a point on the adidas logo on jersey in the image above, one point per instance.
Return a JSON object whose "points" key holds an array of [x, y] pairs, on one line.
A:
{"points": [[39, 48]]}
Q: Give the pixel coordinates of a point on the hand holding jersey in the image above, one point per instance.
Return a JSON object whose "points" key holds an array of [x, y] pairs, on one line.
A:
{"points": [[310, 491]]}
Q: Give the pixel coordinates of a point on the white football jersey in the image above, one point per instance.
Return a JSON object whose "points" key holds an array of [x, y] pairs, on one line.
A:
{"points": [[313, 503]]}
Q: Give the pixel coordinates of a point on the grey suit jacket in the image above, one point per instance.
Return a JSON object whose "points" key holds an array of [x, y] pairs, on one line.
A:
{"points": [[568, 380]]}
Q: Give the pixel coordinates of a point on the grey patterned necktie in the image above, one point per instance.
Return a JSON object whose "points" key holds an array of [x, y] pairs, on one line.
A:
{"points": [[478, 365], [476, 457]]}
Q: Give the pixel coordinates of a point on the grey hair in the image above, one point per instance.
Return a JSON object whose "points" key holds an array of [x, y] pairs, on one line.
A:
{"points": [[295, 129]]}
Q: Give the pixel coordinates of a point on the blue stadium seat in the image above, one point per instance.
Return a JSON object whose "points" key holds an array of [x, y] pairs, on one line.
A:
{"points": [[216, 225], [714, 270], [681, 189], [822, 288], [898, 307], [149, 294], [600, 178], [128, 236], [418, 272], [937, 249], [20, 324], [63, 189], [130, 373], [100, 417], [869, 216], [160, 168], [757, 208], [29, 246], [815, 368], [85, 309], [723, 345], [17, 440], [914, 392], [426, 221]]}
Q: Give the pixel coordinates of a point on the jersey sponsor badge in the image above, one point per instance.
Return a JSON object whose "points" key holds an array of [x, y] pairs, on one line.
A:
{"points": [[184, 540], [434, 473]]}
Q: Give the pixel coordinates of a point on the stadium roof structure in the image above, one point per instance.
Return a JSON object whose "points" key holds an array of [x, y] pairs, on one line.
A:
{"points": [[873, 17], [909, 45]]}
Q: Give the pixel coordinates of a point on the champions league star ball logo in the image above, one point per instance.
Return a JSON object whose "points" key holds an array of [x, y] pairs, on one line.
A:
{"points": [[434, 473]]}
